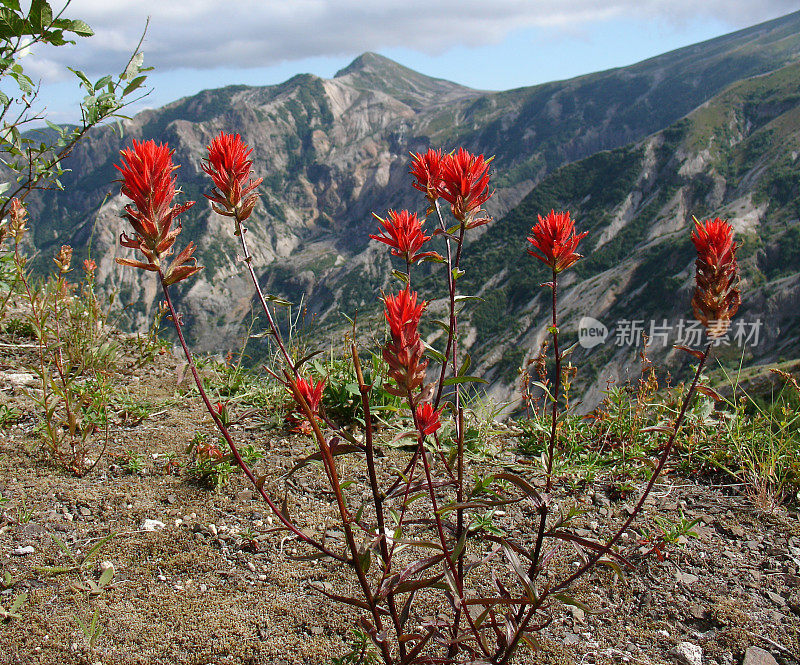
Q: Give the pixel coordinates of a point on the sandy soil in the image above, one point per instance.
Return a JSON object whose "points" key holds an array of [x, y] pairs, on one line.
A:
{"points": [[200, 591]]}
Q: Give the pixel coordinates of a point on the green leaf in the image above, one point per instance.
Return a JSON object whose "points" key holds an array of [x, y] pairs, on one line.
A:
{"points": [[134, 67], [464, 379], [399, 274], [278, 301], [78, 27], [134, 85], [465, 298], [86, 82], [40, 15]]}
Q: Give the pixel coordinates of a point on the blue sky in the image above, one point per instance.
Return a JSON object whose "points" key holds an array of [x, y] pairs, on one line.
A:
{"points": [[497, 45]]}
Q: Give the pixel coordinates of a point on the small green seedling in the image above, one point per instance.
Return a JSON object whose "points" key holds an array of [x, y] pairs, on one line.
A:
{"points": [[92, 630], [13, 611], [77, 565], [96, 588]]}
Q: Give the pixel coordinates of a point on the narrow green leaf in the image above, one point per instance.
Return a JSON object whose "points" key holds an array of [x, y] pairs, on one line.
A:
{"points": [[464, 379]]}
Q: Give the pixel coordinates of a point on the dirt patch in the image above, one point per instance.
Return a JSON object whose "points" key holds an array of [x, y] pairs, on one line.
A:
{"points": [[216, 584]]}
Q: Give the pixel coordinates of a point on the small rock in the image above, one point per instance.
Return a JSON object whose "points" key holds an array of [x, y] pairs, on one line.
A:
{"points": [[686, 578], [212, 529], [756, 656], [85, 511], [151, 525], [245, 495], [571, 638], [688, 653], [776, 598], [697, 612], [316, 630], [19, 380], [172, 499], [23, 551], [577, 613]]}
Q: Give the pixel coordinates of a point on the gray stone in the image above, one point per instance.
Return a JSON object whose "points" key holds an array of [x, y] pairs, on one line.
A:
{"points": [[23, 551], [151, 525], [688, 653], [756, 656]]}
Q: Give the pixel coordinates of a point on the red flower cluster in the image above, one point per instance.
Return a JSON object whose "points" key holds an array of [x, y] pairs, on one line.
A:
{"points": [[716, 296], [311, 392], [554, 240], [404, 234], [427, 418], [427, 169], [230, 167], [89, 267], [148, 181], [461, 179], [404, 353], [465, 183]]}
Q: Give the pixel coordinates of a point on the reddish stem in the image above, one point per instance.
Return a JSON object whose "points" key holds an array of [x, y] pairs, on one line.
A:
{"points": [[226, 435]]}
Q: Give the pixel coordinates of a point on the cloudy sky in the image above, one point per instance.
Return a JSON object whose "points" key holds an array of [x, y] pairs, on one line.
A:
{"points": [[487, 44]]}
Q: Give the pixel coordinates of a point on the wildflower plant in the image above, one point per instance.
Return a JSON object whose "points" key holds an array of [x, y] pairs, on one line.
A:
{"points": [[421, 535]]}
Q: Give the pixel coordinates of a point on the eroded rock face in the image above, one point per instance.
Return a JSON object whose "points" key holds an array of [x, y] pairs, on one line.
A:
{"points": [[333, 151]]}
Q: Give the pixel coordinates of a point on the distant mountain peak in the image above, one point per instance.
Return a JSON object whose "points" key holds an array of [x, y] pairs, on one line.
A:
{"points": [[369, 62], [375, 72]]}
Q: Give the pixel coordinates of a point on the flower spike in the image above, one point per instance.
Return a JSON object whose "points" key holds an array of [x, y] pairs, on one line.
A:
{"points": [[428, 419], [148, 182], [465, 183], [554, 240], [404, 234], [230, 167], [427, 169], [404, 352], [716, 295]]}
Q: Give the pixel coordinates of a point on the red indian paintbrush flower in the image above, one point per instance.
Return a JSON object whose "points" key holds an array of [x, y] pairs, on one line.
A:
{"points": [[716, 296], [311, 392], [554, 240], [230, 167], [404, 234], [427, 169], [148, 181], [465, 183], [427, 418], [404, 353]]}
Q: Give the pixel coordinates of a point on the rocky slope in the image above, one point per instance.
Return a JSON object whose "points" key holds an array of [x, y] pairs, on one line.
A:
{"points": [[332, 151]]}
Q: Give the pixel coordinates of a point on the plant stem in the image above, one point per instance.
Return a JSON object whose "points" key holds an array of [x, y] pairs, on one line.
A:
{"points": [[336, 486], [241, 230], [226, 435], [593, 559], [377, 499], [556, 386]]}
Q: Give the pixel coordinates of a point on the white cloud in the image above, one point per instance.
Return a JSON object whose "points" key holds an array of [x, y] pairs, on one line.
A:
{"points": [[202, 34]]}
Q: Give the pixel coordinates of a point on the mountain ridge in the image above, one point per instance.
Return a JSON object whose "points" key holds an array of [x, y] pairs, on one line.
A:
{"points": [[332, 151]]}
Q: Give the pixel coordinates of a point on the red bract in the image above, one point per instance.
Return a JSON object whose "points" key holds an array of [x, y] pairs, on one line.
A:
{"points": [[427, 169], [716, 296], [89, 267], [428, 418], [148, 181], [404, 235], [555, 239], [311, 392], [464, 183], [404, 353], [230, 167]]}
